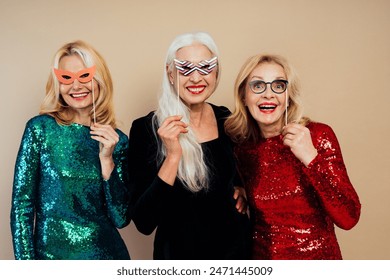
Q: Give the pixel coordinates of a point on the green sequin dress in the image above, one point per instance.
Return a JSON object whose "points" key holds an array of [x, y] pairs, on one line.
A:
{"points": [[62, 208]]}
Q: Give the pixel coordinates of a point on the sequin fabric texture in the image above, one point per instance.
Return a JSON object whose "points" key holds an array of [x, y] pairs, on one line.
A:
{"points": [[294, 208], [62, 208]]}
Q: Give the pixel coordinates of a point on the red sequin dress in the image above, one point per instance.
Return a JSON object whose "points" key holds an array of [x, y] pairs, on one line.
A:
{"points": [[294, 208]]}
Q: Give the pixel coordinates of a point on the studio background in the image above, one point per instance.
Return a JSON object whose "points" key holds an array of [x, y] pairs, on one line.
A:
{"points": [[340, 48]]}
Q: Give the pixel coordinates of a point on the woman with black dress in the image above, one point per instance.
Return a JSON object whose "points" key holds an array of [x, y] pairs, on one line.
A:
{"points": [[181, 164]]}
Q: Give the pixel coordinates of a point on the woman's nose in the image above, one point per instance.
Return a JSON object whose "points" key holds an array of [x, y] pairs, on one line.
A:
{"points": [[195, 76], [76, 84], [268, 93]]}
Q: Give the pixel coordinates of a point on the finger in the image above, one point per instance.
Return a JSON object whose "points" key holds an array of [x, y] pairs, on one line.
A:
{"points": [[241, 205], [170, 119], [174, 133], [174, 124], [106, 132], [106, 136], [236, 194], [287, 142], [290, 139], [107, 143], [106, 129], [290, 129], [171, 133], [239, 202]]}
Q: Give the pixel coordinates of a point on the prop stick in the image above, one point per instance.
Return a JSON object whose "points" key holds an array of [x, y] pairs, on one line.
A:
{"points": [[93, 103], [178, 93], [286, 108]]}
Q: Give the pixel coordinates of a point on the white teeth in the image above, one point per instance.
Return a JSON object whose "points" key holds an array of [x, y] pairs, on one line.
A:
{"points": [[267, 107], [199, 89], [79, 95]]}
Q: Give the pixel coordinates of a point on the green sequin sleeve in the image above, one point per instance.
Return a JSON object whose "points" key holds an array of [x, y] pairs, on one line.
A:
{"points": [[26, 179], [116, 187]]}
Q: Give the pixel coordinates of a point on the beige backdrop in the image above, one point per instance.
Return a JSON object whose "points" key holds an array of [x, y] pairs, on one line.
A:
{"points": [[341, 50]]}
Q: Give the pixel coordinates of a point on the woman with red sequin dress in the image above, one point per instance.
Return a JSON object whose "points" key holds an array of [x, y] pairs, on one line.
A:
{"points": [[296, 181]]}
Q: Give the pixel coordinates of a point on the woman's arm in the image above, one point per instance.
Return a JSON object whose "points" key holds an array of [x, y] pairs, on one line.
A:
{"points": [[328, 175], [26, 180], [116, 188], [149, 191]]}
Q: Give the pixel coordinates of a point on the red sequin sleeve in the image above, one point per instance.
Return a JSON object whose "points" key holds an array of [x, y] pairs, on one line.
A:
{"points": [[328, 175]]}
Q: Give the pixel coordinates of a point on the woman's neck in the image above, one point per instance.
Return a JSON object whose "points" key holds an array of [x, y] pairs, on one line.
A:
{"points": [[197, 114], [82, 118], [203, 123], [270, 131]]}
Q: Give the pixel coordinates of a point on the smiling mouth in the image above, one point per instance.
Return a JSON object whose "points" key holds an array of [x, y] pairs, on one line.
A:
{"points": [[267, 108], [196, 90], [79, 95]]}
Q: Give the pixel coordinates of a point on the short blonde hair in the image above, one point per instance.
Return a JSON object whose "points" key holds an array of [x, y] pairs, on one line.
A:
{"points": [[241, 126], [54, 105]]}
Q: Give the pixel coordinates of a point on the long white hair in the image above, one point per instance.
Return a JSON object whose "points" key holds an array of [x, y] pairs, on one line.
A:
{"points": [[193, 171]]}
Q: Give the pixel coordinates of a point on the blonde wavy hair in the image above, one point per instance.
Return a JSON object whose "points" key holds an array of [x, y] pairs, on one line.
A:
{"points": [[55, 106], [241, 126]]}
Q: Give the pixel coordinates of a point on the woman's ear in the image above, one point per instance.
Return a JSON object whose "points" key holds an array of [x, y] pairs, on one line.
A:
{"points": [[243, 100], [170, 75]]}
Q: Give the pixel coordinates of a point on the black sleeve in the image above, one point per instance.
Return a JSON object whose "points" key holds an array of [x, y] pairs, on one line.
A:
{"points": [[149, 192]]}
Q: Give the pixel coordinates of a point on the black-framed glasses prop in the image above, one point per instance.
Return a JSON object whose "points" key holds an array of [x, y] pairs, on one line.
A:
{"points": [[277, 86]]}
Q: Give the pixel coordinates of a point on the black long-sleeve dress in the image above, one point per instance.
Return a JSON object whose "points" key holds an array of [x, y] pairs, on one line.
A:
{"points": [[202, 225]]}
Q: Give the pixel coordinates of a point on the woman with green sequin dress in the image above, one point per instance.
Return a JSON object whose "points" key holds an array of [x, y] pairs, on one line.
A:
{"points": [[70, 190]]}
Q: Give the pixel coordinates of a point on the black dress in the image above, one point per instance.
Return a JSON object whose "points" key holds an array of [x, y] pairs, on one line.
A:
{"points": [[202, 225]]}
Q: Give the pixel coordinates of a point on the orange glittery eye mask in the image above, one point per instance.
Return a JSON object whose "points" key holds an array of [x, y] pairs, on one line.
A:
{"points": [[67, 77]]}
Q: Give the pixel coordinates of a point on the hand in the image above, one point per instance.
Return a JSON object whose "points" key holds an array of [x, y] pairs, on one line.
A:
{"points": [[107, 138], [298, 138], [169, 133], [240, 196]]}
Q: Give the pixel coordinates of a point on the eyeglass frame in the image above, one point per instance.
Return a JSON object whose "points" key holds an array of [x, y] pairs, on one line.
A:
{"points": [[268, 83]]}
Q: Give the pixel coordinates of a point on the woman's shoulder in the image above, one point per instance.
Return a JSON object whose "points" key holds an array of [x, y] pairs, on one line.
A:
{"points": [[144, 119], [41, 120], [220, 111], [122, 135], [320, 130], [142, 124], [318, 126]]}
